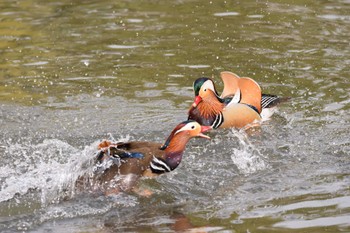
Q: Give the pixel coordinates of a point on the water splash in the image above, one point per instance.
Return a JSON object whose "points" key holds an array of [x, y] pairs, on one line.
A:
{"points": [[246, 156], [39, 181], [50, 167]]}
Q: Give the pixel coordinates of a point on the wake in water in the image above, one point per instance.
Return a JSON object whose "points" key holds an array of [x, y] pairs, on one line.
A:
{"points": [[50, 169], [39, 181]]}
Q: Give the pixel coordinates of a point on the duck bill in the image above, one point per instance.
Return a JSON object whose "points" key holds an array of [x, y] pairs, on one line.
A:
{"points": [[197, 100], [203, 130]]}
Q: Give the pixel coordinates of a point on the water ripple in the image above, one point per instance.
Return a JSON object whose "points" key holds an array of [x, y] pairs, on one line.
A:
{"points": [[224, 14]]}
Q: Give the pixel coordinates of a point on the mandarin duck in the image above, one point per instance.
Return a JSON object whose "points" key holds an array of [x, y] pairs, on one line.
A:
{"points": [[241, 103], [148, 159]]}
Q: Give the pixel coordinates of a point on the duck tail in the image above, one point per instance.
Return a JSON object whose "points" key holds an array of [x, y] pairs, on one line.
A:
{"points": [[270, 101]]}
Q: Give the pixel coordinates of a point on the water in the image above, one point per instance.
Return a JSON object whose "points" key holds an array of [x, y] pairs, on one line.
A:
{"points": [[74, 73]]}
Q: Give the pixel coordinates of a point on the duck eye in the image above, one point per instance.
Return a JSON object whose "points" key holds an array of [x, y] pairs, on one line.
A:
{"points": [[192, 127], [205, 89]]}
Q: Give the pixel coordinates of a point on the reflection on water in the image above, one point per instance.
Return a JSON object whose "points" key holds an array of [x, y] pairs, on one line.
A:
{"points": [[73, 73]]}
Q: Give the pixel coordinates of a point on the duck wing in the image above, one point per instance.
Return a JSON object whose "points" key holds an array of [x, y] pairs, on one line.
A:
{"points": [[242, 90], [230, 81]]}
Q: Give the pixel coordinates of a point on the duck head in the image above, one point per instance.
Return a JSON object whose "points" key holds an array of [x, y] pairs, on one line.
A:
{"points": [[203, 89], [182, 133], [174, 146]]}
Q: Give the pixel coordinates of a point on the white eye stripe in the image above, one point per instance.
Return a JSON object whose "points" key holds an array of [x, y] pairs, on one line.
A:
{"points": [[208, 85], [189, 126]]}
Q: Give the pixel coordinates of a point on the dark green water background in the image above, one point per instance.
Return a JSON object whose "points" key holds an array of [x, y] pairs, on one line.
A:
{"points": [[74, 72]]}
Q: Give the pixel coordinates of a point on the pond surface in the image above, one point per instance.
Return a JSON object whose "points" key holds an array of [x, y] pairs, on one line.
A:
{"points": [[75, 72]]}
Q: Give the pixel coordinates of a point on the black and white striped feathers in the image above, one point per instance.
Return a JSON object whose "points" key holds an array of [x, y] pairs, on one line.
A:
{"points": [[159, 166], [269, 101], [219, 119]]}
